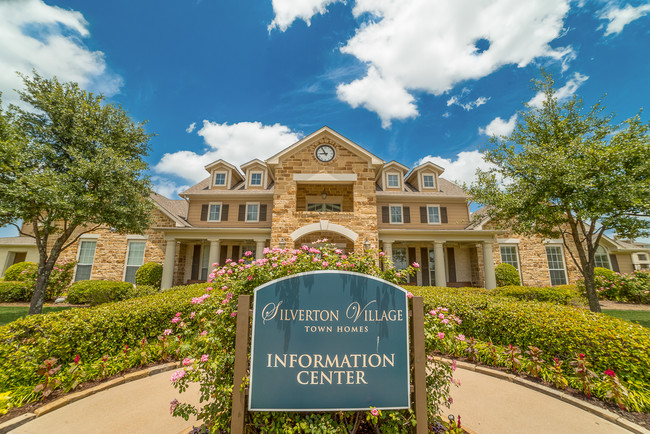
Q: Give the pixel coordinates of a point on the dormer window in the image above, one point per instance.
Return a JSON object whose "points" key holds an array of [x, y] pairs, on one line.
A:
{"points": [[220, 179], [392, 180], [256, 179], [428, 181]]}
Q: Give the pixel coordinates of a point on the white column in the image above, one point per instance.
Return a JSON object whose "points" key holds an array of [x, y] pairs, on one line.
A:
{"points": [[168, 265], [488, 266], [259, 248], [439, 257], [215, 247], [388, 249]]}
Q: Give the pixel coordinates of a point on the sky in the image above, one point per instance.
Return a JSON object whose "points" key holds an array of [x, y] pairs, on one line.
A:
{"points": [[409, 80]]}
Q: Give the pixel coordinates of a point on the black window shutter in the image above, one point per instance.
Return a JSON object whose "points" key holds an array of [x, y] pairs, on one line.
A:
{"points": [[263, 213], [443, 214], [385, 217], [204, 212], [224, 212], [407, 214], [423, 215], [614, 260], [242, 213]]}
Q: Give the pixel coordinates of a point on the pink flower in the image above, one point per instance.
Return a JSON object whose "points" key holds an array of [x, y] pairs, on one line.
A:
{"points": [[453, 365], [208, 289], [610, 373], [172, 406], [250, 278], [441, 316], [581, 356], [219, 311], [204, 333], [178, 314], [248, 253], [175, 320], [382, 254], [76, 359], [409, 294], [441, 335], [338, 264], [187, 361], [223, 288], [416, 265], [167, 332], [374, 412], [192, 315], [234, 314], [325, 263], [445, 321], [204, 358], [344, 257], [461, 337], [177, 375]]}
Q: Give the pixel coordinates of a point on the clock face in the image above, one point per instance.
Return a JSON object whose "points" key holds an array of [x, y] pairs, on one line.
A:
{"points": [[325, 153]]}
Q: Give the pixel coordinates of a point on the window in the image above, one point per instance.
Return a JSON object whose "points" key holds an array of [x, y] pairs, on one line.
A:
{"points": [[85, 261], [433, 214], [324, 207], [428, 181], [555, 260], [205, 262], [601, 258], [396, 214], [509, 256], [642, 256], [256, 178], [252, 212], [392, 180], [134, 259], [399, 258], [214, 215], [220, 178]]}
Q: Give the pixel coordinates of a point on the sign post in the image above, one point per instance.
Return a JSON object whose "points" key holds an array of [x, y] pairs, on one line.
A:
{"points": [[329, 341]]}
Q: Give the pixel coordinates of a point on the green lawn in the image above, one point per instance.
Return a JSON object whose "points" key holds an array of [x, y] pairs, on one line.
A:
{"points": [[11, 313], [641, 317]]}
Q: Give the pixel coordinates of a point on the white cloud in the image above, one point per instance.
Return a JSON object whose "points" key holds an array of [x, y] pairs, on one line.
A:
{"points": [[462, 169], [383, 96], [191, 127], [499, 127], [234, 143], [562, 94], [430, 46], [619, 18], [455, 100], [287, 11], [166, 187], [47, 38], [446, 115]]}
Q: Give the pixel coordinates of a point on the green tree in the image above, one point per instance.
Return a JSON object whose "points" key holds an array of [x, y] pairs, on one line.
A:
{"points": [[69, 163], [571, 173]]}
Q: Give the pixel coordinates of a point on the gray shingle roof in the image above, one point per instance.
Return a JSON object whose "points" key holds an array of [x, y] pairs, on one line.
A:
{"points": [[175, 209]]}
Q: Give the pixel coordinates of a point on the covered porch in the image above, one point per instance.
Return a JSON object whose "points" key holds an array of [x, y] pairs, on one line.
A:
{"points": [[454, 258], [191, 252]]}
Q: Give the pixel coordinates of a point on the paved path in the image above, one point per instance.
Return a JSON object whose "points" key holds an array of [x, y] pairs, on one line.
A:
{"points": [[608, 304], [486, 404]]}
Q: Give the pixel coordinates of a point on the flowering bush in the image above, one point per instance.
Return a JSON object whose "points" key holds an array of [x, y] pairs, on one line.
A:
{"points": [[59, 280], [610, 285], [211, 347], [564, 294]]}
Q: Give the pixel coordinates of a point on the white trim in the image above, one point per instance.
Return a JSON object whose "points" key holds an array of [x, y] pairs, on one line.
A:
{"points": [[390, 213], [220, 210], [553, 241], [324, 225], [89, 236], [508, 240], [214, 175], [258, 212], [325, 177], [249, 178], [137, 237], [435, 181], [439, 216], [399, 181]]}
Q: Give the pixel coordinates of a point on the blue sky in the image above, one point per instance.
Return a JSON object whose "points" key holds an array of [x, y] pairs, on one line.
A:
{"points": [[409, 80]]}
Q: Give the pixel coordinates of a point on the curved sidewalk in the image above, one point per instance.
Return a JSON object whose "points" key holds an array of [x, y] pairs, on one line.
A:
{"points": [[487, 404]]}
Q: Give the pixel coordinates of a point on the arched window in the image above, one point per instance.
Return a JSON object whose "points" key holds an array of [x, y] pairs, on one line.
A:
{"points": [[601, 258]]}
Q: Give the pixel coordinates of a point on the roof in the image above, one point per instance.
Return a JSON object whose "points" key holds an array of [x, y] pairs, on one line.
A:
{"points": [[394, 163], [203, 189], [445, 189], [174, 209], [478, 218], [18, 241]]}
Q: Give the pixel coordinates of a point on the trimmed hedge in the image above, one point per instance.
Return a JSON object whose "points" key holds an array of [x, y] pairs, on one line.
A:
{"points": [[96, 292], [22, 272], [88, 332], [15, 291], [149, 274], [559, 331], [565, 294], [506, 275]]}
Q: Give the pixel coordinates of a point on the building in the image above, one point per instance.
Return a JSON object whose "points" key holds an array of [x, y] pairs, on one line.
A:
{"points": [[326, 186]]}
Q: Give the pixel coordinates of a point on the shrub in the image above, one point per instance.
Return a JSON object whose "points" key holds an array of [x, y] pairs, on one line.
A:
{"points": [[22, 272], [564, 294], [88, 332], [15, 291], [506, 275], [96, 292], [633, 287], [149, 274]]}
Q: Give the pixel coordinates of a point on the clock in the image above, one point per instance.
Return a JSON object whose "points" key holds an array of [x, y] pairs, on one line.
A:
{"points": [[325, 153]]}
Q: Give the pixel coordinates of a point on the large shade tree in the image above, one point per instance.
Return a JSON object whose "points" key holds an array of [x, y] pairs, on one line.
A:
{"points": [[569, 172], [69, 163]]}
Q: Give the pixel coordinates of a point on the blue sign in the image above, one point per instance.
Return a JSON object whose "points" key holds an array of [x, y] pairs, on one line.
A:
{"points": [[329, 340]]}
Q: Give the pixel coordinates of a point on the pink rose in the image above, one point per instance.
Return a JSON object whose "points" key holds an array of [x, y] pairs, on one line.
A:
{"points": [[409, 294], [441, 335], [374, 412], [204, 358]]}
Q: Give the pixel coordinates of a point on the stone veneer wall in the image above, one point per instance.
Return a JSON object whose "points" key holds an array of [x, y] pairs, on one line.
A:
{"points": [[110, 253], [286, 218]]}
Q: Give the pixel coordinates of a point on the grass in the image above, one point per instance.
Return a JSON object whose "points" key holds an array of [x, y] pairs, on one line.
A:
{"points": [[12, 313], [641, 317]]}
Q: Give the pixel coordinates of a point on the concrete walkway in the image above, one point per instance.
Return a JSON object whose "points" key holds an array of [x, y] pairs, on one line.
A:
{"points": [[486, 405]]}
